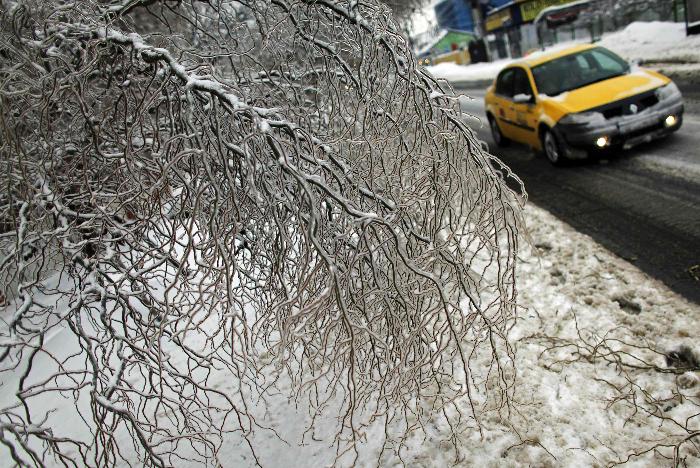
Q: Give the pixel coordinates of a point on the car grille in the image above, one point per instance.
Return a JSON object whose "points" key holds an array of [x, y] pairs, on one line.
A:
{"points": [[628, 106], [619, 139]]}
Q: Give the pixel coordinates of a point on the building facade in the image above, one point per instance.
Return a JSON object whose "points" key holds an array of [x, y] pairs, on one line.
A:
{"points": [[520, 26], [454, 14], [458, 14]]}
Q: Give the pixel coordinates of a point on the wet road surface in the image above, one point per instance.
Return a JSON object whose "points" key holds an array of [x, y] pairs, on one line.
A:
{"points": [[642, 204]]}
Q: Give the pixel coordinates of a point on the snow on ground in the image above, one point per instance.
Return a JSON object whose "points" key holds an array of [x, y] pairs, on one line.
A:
{"points": [[567, 414], [479, 71], [574, 407], [577, 414], [654, 41], [659, 45], [571, 285]]}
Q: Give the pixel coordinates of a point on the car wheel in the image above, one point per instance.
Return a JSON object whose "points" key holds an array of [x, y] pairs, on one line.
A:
{"points": [[498, 137], [552, 148]]}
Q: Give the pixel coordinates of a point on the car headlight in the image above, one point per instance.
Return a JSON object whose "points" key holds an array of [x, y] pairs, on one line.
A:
{"points": [[583, 118], [670, 91]]}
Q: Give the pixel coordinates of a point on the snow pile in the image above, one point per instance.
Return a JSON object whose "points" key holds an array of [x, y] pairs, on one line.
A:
{"points": [[479, 71], [655, 43], [485, 71], [662, 46]]}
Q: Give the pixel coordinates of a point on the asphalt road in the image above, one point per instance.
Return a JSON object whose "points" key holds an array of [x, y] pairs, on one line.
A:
{"points": [[642, 204]]}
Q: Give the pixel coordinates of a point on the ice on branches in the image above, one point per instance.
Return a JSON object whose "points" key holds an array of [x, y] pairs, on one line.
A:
{"points": [[202, 201]]}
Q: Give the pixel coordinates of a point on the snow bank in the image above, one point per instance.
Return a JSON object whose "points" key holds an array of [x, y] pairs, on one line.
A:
{"points": [[484, 71], [479, 71], [654, 42]]}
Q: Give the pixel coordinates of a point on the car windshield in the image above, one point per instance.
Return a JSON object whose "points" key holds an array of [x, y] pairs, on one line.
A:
{"points": [[577, 70]]}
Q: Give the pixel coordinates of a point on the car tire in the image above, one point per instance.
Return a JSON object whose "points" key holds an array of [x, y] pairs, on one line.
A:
{"points": [[552, 148], [498, 137]]}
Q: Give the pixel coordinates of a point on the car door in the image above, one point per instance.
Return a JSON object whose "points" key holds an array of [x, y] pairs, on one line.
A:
{"points": [[502, 101], [521, 113]]}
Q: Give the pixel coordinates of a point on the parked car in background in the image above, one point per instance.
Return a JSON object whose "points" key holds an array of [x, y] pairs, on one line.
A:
{"points": [[580, 100]]}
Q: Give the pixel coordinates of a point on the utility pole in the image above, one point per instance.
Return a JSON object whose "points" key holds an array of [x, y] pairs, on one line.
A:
{"points": [[477, 18], [479, 27]]}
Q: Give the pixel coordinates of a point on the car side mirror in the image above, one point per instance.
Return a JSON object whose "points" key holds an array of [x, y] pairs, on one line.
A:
{"points": [[523, 99]]}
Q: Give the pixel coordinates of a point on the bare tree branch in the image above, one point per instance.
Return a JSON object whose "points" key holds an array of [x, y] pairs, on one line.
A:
{"points": [[205, 199]]}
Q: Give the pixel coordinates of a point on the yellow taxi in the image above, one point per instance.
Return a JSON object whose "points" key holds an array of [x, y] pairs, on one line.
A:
{"points": [[580, 100]]}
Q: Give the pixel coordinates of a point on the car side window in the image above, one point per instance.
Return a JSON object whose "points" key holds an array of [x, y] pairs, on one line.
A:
{"points": [[504, 83], [521, 83]]}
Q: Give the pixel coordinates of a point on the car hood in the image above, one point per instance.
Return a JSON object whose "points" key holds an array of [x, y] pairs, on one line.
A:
{"points": [[611, 90]]}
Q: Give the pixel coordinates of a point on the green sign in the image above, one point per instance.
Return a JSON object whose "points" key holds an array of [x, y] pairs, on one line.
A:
{"points": [[460, 39], [530, 9]]}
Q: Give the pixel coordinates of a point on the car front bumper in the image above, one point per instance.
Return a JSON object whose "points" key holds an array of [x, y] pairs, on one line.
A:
{"points": [[620, 132]]}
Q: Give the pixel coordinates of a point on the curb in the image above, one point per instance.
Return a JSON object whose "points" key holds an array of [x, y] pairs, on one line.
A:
{"points": [[466, 84]]}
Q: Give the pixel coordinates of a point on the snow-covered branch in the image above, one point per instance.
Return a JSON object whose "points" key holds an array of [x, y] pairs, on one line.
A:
{"points": [[207, 203]]}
